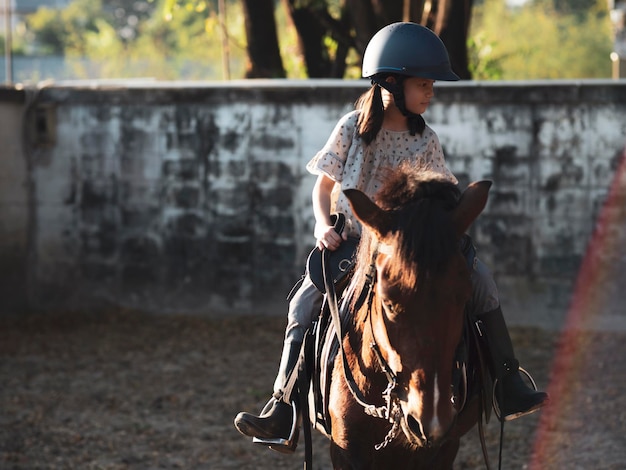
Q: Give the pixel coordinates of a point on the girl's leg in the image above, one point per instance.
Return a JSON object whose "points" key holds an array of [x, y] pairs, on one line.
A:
{"points": [[514, 397], [274, 423]]}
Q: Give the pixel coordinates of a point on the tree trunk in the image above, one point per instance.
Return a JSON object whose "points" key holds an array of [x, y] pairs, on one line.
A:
{"points": [[359, 21], [311, 32], [450, 21], [264, 59], [368, 16]]}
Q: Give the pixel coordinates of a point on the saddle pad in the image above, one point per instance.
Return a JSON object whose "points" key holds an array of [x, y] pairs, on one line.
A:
{"points": [[326, 351]]}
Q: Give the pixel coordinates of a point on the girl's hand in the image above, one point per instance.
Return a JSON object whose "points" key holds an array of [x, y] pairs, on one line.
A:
{"points": [[327, 237]]}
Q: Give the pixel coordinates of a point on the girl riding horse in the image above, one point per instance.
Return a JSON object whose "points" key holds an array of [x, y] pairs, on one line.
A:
{"points": [[403, 61]]}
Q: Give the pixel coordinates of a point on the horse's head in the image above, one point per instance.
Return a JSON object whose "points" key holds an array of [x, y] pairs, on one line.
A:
{"points": [[412, 234]]}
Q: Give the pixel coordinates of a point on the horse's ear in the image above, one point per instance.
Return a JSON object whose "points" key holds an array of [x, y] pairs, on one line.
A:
{"points": [[471, 204], [368, 212]]}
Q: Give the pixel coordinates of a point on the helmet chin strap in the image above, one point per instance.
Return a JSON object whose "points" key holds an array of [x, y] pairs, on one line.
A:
{"points": [[415, 121]]}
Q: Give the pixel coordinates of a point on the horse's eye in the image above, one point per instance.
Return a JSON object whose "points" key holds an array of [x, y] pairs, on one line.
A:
{"points": [[392, 309]]}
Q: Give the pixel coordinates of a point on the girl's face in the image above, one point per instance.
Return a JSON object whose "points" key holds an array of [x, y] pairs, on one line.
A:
{"points": [[417, 94]]}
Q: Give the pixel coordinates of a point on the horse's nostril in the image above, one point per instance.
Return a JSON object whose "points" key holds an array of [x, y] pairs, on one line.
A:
{"points": [[416, 427]]}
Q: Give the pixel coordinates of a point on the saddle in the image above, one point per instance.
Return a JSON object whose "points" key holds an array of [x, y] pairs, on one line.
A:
{"points": [[340, 261]]}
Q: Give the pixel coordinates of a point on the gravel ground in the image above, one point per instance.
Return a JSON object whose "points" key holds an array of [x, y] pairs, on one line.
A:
{"points": [[126, 390]]}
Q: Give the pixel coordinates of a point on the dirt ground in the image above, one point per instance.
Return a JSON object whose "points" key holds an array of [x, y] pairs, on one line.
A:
{"points": [[126, 390]]}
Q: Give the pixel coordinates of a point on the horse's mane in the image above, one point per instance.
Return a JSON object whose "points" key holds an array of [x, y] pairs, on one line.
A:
{"points": [[422, 238]]}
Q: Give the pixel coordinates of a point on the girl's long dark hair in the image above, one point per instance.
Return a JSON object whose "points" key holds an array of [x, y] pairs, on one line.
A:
{"points": [[372, 113]]}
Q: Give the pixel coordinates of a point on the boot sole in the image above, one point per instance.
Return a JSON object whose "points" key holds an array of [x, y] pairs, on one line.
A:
{"points": [[284, 449], [531, 410]]}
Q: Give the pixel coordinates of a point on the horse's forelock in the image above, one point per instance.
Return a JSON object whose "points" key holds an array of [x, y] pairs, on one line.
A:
{"points": [[424, 242], [422, 237]]}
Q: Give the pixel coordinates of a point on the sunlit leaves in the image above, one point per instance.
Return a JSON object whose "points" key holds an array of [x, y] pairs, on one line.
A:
{"points": [[535, 41]]}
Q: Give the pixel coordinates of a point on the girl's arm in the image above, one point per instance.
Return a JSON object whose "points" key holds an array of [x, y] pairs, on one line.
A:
{"points": [[324, 231]]}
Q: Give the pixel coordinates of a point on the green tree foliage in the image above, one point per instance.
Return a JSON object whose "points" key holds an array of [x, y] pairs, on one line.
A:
{"points": [[128, 39], [539, 41], [56, 31]]}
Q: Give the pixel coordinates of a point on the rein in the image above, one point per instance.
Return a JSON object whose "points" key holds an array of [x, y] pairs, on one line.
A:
{"points": [[391, 411]]}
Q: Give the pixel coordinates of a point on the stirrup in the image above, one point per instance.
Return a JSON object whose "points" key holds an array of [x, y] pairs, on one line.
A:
{"points": [[280, 444], [496, 406]]}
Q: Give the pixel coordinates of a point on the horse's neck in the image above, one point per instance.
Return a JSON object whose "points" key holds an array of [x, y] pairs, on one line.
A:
{"points": [[358, 342]]}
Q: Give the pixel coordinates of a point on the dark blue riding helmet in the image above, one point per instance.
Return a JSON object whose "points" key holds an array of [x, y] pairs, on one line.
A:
{"points": [[407, 49]]}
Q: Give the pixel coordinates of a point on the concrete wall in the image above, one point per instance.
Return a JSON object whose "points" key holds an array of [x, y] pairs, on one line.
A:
{"points": [[194, 196], [14, 202]]}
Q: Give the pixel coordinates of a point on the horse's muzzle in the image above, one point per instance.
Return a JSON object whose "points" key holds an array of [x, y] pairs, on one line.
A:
{"points": [[422, 434]]}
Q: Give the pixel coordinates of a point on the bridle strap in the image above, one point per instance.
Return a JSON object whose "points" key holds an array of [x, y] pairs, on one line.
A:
{"points": [[391, 376], [331, 298]]}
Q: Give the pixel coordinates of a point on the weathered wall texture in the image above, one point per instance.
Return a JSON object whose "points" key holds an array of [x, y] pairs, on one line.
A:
{"points": [[195, 197], [14, 208]]}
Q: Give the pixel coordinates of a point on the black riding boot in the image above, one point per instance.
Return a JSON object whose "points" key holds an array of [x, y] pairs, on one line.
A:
{"points": [[514, 397], [276, 426]]}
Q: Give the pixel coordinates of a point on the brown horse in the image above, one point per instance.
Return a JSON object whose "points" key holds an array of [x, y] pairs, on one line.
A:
{"points": [[393, 402]]}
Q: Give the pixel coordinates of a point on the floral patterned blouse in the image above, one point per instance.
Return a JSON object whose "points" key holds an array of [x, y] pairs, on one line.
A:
{"points": [[352, 164]]}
